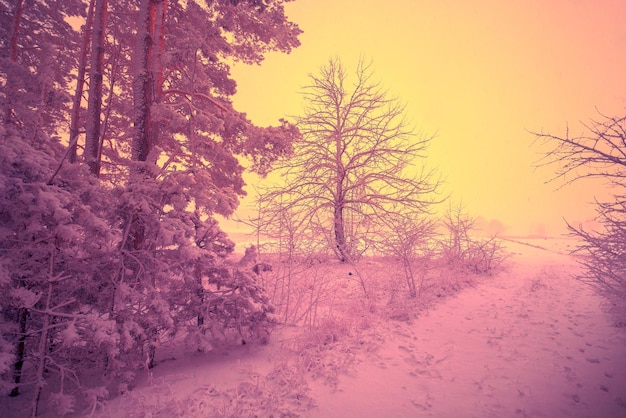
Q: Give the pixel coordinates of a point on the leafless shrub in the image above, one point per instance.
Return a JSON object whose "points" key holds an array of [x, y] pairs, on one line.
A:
{"points": [[291, 236], [409, 239], [283, 392], [460, 249], [603, 253], [302, 293], [325, 352]]}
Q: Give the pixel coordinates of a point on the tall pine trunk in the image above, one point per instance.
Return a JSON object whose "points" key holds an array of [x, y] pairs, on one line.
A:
{"points": [[94, 107], [159, 39], [17, 21], [143, 83], [23, 312], [146, 87], [80, 83], [20, 351], [148, 78], [43, 351]]}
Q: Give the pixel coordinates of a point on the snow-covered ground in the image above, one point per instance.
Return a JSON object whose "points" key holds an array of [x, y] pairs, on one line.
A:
{"points": [[529, 341]]}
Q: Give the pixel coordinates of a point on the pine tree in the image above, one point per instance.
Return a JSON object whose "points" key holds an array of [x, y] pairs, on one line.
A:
{"points": [[101, 258], [33, 103]]}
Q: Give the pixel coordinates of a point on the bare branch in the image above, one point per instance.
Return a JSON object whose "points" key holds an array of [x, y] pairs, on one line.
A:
{"points": [[599, 152]]}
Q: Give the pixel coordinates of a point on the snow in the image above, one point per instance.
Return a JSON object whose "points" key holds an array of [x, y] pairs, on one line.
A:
{"points": [[530, 341]]}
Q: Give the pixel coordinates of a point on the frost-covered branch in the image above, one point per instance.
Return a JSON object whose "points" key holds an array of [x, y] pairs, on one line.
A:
{"points": [[600, 152]]}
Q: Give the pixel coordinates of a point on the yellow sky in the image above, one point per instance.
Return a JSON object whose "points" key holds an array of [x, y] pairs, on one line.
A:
{"points": [[480, 74]]}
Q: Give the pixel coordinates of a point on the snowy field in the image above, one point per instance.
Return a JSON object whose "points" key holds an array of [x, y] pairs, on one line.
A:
{"points": [[528, 341]]}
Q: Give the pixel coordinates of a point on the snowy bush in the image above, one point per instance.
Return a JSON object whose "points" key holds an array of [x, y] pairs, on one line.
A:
{"points": [[410, 240], [302, 292], [233, 307], [460, 249], [50, 240]]}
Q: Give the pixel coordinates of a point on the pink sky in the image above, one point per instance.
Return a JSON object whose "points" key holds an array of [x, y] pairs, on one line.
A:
{"points": [[479, 75]]}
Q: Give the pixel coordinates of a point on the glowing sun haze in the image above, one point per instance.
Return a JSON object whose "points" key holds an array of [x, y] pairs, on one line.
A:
{"points": [[480, 75]]}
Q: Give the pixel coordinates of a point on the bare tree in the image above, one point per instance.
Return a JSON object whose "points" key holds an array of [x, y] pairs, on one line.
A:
{"points": [[600, 152], [354, 164]]}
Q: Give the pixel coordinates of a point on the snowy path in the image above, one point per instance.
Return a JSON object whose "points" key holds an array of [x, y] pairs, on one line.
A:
{"points": [[531, 342]]}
